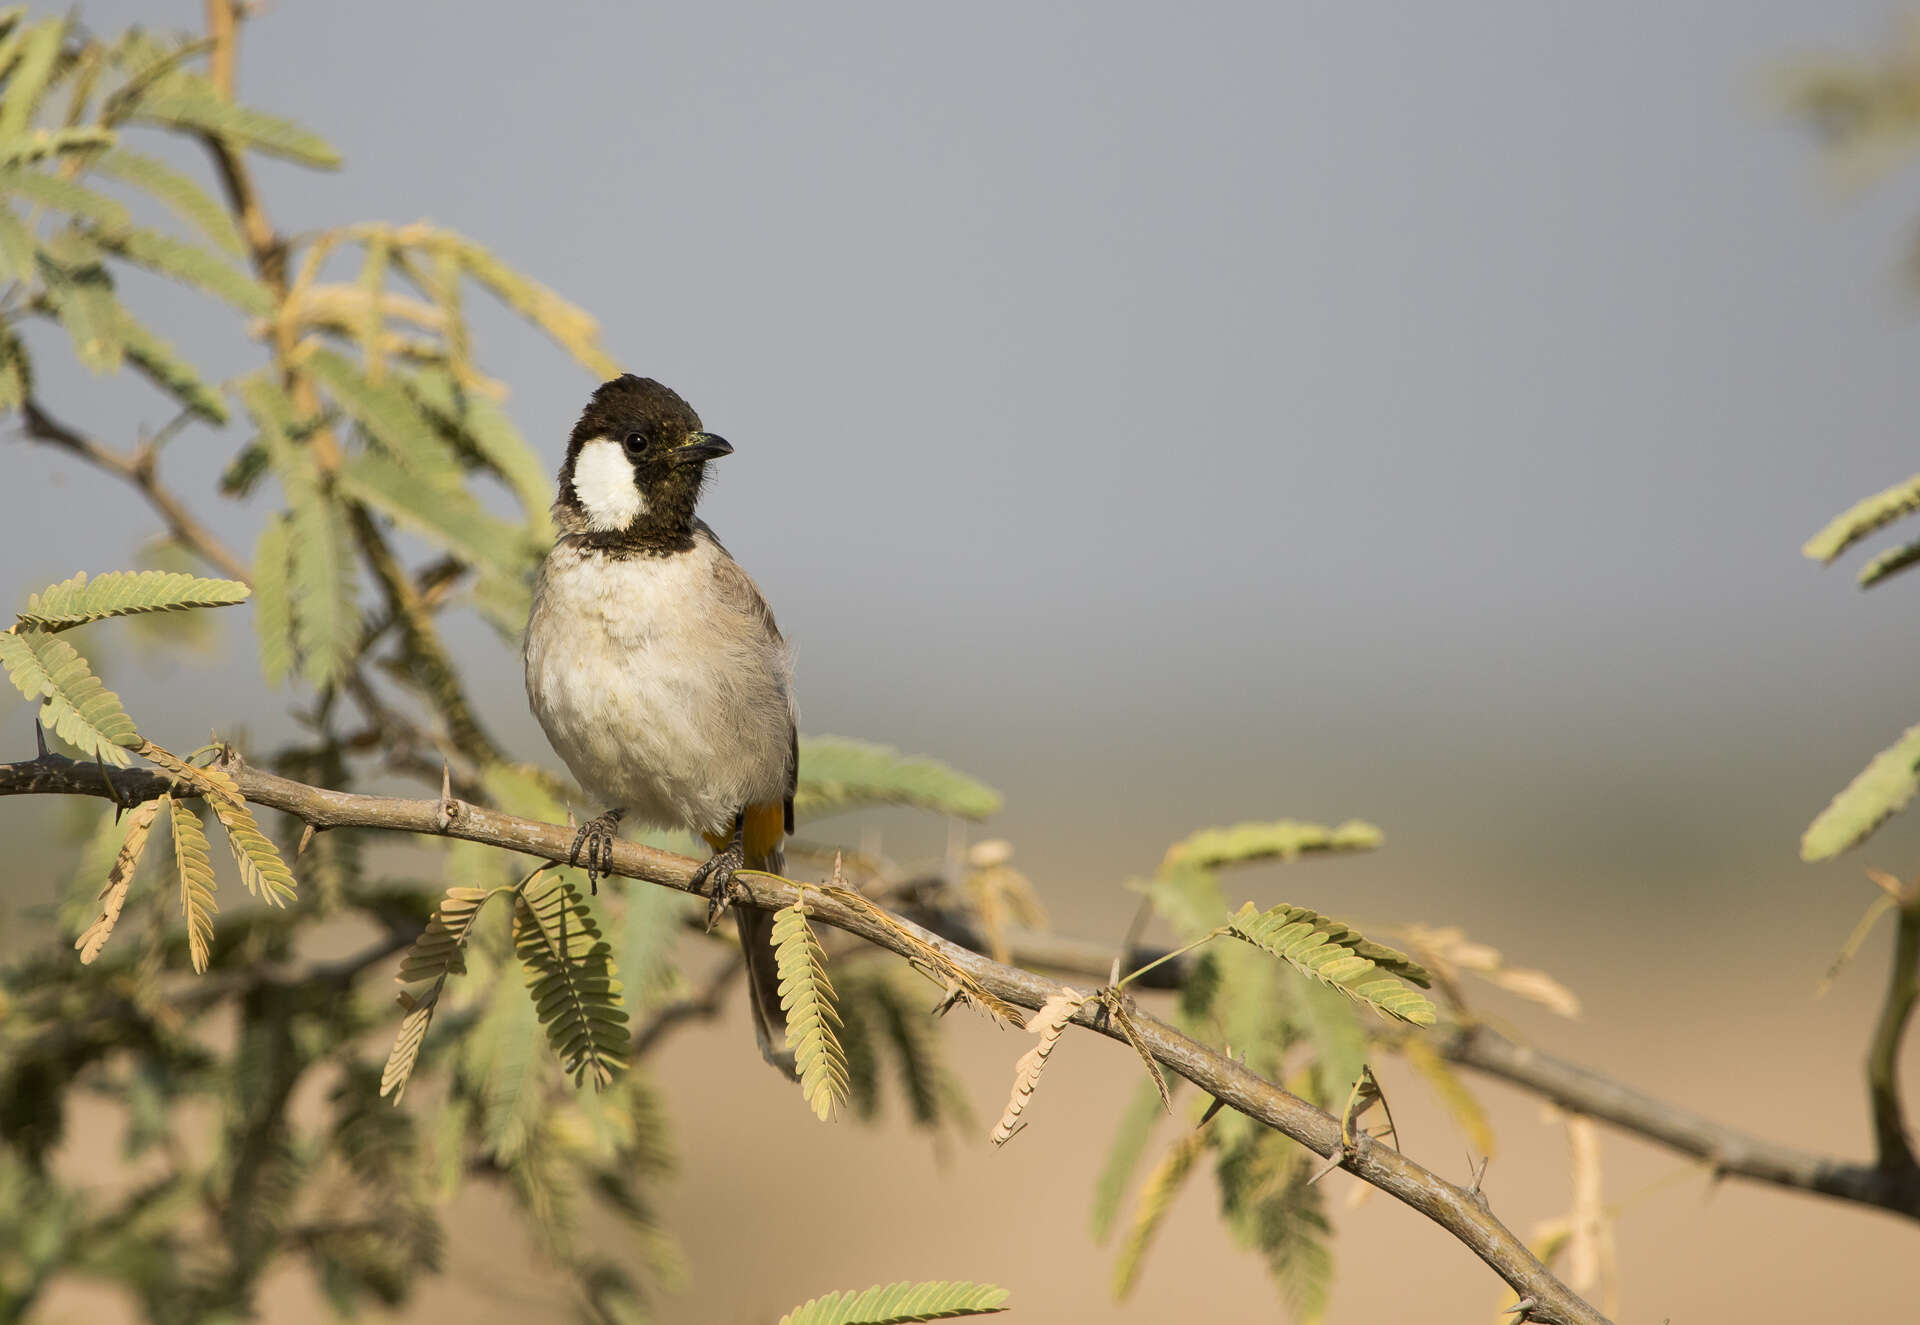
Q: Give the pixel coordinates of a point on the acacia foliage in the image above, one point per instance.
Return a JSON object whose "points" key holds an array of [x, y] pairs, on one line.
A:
{"points": [[393, 490]]}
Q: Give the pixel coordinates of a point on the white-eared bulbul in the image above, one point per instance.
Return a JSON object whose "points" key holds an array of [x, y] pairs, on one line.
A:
{"points": [[654, 665]]}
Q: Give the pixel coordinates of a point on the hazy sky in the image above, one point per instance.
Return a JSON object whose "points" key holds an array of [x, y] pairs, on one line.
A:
{"points": [[1285, 407]]}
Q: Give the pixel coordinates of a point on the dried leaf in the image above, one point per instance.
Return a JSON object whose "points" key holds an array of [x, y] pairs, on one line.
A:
{"points": [[195, 865], [114, 896], [1050, 1023]]}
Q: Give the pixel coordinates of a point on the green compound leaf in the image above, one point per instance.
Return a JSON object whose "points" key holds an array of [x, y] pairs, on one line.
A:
{"points": [[838, 774], [76, 601], [78, 708], [893, 1304], [485, 427], [63, 195], [391, 417], [812, 1019], [450, 517], [16, 374], [163, 365], [1331, 953], [1281, 839], [81, 292], [188, 264], [17, 247], [1880, 790], [570, 974], [321, 577], [1863, 518], [1272, 1206], [27, 82], [1142, 1115], [326, 616], [41, 144], [177, 192], [188, 101], [272, 601], [1156, 1199]]}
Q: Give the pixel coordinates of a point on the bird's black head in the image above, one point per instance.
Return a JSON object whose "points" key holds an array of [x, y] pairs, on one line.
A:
{"points": [[634, 468]]}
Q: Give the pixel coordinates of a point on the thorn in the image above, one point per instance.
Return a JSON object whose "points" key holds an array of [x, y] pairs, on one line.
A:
{"points": [[1479, 1172], [120, 806], [1523, 1309], [39, 736], [1334, 1161], [449, 808], [1113, 972], [306, 840], [954, 994]]}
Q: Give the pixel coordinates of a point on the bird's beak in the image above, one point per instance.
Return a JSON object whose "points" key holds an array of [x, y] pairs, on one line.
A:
{"points": [[702, 446]]}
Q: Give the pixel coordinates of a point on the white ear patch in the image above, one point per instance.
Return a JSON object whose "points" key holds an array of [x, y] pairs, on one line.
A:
{"points": [[603, 484]]}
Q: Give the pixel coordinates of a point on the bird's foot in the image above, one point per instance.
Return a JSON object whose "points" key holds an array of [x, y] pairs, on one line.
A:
{"points": [[596, 838], [718, 874]]}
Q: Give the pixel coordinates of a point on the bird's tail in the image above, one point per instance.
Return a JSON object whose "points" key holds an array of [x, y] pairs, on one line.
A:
{"points": [[763, 969]]}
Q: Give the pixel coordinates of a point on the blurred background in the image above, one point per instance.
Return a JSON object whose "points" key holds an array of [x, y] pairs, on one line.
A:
{"points": [[1400, 412]]}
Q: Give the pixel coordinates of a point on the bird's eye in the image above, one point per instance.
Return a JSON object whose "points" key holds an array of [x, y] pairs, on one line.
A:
{"points": [[635, 443]]}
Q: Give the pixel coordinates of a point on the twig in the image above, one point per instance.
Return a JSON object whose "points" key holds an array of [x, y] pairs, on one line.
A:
{"points": [[1232, 1083], [137, 469], [1731, 1152], [694, 1007], [268, 251], [1883, 1058]]}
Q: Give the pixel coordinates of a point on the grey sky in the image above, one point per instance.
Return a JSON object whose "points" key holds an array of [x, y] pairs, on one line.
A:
{"points": [[1290, 404]]}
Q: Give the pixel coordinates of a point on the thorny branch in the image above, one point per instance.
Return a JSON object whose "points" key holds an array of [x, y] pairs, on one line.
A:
{"points": [[1461, 1212], [1887, 1185]]}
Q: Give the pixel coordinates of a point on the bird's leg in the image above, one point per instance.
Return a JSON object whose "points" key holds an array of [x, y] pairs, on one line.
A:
{"points": [[718, 871], [596, 837]]}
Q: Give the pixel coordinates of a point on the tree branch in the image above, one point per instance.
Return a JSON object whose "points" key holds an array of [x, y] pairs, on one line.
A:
{"points": [[705, 1004], [1730, 1152], [139, 470], [1462, 1213], [1883, 1057]]}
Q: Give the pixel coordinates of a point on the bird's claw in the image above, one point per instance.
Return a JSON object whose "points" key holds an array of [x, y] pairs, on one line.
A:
{"points": [[596, 839], [718, 874]]}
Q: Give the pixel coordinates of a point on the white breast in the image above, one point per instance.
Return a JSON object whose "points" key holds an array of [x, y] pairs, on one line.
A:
{"points": [[660, 693]]}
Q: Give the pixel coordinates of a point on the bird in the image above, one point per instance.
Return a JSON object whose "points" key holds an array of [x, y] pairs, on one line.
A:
{"points": [[655, 668]]}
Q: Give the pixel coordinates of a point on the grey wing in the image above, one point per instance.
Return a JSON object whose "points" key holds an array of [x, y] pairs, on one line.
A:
{"points": [[743, 597]]}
